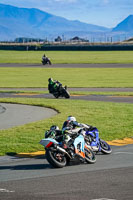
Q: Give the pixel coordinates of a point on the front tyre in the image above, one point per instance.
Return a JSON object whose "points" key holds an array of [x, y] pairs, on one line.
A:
{"points": [[66, 94], [49, 62], [56, 159], [90, 156], [105, 147]]}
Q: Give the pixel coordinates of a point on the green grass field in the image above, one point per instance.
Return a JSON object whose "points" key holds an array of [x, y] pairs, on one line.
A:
{"points": [[79, 77], [113, 120], [67, 56]]}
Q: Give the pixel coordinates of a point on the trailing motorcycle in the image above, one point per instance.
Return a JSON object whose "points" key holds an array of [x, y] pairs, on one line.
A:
{"points": [[97, 144], [58, 155]]}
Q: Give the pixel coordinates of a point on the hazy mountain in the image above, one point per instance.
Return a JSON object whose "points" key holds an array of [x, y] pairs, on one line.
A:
{"points": [[125, 26], [23, 22]]}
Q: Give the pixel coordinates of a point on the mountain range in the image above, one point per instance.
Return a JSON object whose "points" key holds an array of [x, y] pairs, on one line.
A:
{"points": [[34, 23]]}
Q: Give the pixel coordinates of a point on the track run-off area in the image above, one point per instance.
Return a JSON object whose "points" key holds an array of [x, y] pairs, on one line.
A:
{"points": [[110, 178]]}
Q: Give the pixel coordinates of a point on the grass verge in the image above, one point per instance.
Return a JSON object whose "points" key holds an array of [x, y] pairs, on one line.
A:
{"points": [[67, 56], [113, 120], [79, 77]]}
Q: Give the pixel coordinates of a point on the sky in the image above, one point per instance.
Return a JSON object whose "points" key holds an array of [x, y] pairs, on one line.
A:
{"points": [[106, 13]]}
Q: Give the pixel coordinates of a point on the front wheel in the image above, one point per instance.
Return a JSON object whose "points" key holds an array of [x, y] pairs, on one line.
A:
{"points": [[66, 94], [49, 62], [105, 147], [90, 156], [56, 159]]}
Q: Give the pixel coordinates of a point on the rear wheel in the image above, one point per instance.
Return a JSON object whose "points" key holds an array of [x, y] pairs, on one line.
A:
{"points": [[90, 156], [56, 95], [56, 159], [105, 147]]}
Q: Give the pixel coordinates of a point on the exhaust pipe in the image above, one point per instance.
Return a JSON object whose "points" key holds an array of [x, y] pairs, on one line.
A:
{"points": [[63, 151]]}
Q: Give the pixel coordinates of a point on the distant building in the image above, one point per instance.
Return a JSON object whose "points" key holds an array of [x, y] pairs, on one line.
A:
{"points": [[58, 39], [78, 39], [25, 40]]}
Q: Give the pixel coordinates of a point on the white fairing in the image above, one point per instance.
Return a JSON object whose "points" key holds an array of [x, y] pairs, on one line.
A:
{"points": [[45, 142]]}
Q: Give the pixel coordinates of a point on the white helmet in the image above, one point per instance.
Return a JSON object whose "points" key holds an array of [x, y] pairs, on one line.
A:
{"points": [[54, 127], [71, 118]]}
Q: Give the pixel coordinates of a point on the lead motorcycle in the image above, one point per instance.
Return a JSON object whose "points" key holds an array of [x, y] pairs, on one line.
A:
{"points": [[95, 142], [46, 60], [59, 157]]}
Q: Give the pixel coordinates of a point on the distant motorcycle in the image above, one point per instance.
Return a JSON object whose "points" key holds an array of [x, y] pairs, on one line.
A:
{"points": [[98, 145], [61, 92], [58, 156], [46, 60]]}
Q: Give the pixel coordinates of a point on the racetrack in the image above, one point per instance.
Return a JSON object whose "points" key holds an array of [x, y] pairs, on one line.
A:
{"points": [[106, 98], [68, 65], [110, 178]]}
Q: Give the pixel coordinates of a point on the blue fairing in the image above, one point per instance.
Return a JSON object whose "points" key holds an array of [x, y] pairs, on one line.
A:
{"points": [[95, 135], [78, 140]]}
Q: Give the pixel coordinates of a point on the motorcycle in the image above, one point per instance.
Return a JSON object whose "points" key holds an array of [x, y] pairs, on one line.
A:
{"points": [[61, 92], [46, 60], [97, 144], [59, 156]]}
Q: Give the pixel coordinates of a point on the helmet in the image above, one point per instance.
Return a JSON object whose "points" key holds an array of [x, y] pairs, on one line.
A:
{"points": [[54, 127], [50, 133], [71, 118], [50, 79]]}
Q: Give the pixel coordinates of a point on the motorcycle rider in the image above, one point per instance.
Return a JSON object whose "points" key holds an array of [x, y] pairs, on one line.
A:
{"points": [[53, 85], [52, 132], [45, 59], [71, 126]]}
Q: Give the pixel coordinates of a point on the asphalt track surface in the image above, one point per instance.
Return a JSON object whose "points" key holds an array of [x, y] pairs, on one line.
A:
{"points": [[68, 65], [110, 178], [105, 98]]}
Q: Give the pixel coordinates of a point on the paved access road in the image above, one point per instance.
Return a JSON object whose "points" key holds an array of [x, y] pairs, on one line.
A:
{"points": [[16, 114]]}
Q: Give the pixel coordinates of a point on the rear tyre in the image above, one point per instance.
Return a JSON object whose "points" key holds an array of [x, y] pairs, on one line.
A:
{"points": [[43, 63], [56, 159], [105, 147], [90, 156], [56, 95]]}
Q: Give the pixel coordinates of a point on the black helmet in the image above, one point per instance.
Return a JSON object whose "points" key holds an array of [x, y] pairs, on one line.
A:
{"points": [[50, 79], [54, 127], [50, 134]]}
